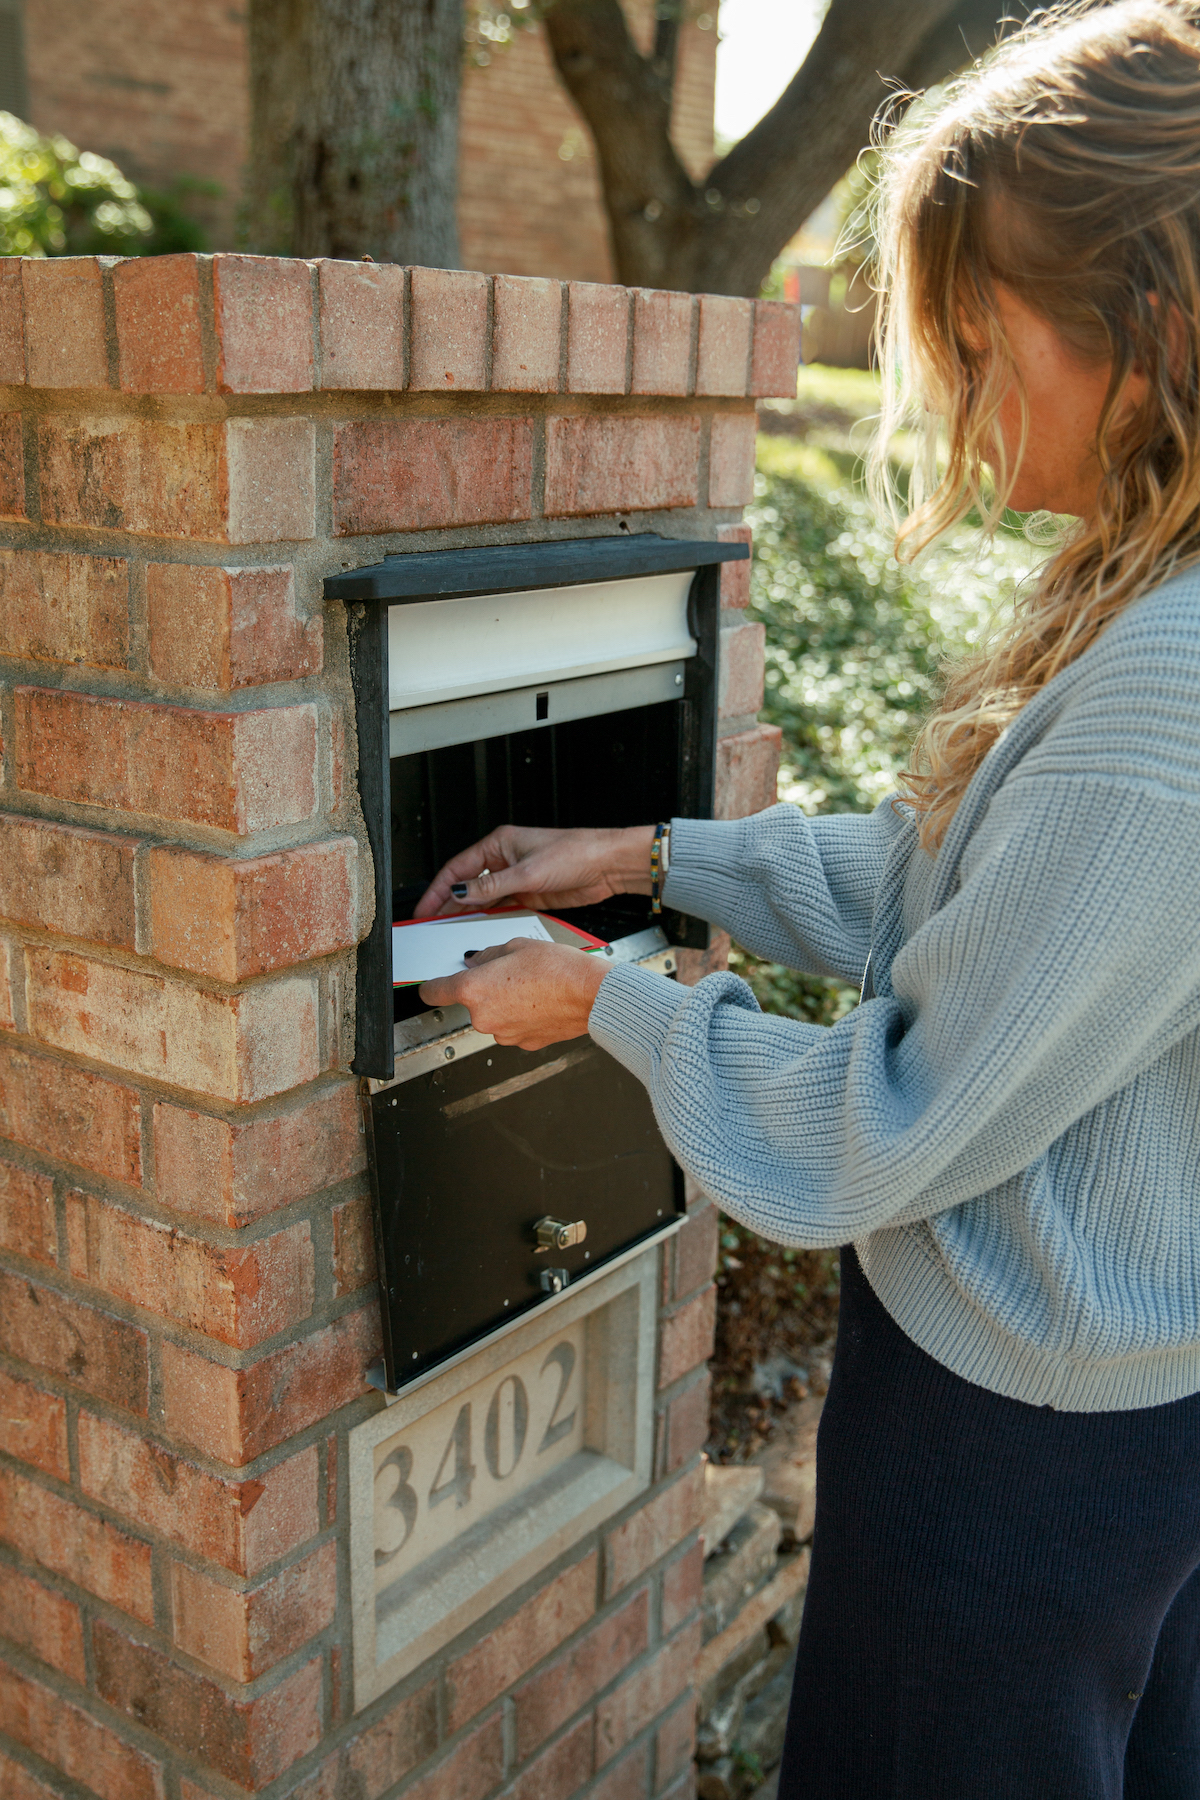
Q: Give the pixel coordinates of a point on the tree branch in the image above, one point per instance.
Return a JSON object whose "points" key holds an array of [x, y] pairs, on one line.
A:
{"points": [[652, 205], [723, 238]]}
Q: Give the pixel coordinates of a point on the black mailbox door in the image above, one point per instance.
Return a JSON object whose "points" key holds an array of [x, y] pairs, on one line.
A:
{"points": [[469, 1157]]}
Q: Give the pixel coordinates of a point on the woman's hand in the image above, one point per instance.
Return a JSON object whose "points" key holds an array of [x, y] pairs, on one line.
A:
{"points": [[524, 993], [542, 870]]}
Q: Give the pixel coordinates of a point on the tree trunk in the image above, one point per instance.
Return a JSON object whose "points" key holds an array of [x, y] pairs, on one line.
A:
{"points": [[354, 129], [723, 235]]}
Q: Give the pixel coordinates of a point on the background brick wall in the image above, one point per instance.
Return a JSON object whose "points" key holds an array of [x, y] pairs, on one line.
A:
{"points": [[186, 1280], [161, 88]]}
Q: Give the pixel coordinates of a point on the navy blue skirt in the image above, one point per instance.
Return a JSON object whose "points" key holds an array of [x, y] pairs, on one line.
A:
{"points": [[1004, 1601]]}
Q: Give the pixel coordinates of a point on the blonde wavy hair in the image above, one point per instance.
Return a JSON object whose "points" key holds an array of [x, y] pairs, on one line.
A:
{"points": [[1066, 166]]}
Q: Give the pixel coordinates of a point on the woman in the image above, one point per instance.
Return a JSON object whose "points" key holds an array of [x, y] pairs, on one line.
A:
{"points": [[1002, 1600]]}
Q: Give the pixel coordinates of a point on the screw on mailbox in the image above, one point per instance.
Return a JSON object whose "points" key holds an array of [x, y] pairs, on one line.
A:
{"points": [[553, 1281], [557, 1234]]}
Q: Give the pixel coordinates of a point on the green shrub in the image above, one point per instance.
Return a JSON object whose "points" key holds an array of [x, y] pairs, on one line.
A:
{"points": [[854, 641], [56, 200]]}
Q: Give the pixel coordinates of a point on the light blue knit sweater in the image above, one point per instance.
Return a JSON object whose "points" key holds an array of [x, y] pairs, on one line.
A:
{"points": [[1010, 1131]]}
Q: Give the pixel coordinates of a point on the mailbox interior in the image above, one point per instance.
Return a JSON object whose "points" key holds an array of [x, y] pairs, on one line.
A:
{"points": [[576, 686]]}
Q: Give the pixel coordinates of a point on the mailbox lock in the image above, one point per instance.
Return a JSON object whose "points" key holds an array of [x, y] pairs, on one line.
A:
{"points": [[553, 1281], [555, 1234]]}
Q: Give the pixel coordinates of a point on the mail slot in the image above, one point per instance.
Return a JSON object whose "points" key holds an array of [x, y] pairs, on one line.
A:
{"points": [[564, 683]]}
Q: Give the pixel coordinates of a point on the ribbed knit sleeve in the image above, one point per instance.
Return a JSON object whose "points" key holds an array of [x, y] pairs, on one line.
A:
{"points": [[793, 890], [1065, 961]]}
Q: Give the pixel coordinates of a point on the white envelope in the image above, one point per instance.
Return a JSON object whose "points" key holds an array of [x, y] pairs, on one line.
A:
{"points": [[435, 947]]}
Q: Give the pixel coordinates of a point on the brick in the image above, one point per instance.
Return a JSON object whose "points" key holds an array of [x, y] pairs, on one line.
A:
{"points": [[237, 772], [241, 481], [228, 628], [723, 345], [12, 467], [526, 334], [449, 330], [628, 1779], [373, 1760], [687, 1425], [70, 1114], [362, 326], [27, 1226], [597, 338], [607, 464], [353, 1246], [64, 322], [696, 1250], [648, 1691], [547, 1700], [513, 1648], [740, 682], [418, 474], [735, 576], [244, 1632], [241, 1525], [559, 1772], [647, 1536], [33, 1426], [776, 351], [233, 919], [8, 954], [65, 609], [157, 302], [239, 1295], [240, 1047], [66, 879], [17, 1783], [686, 1337], [662, 341], [85, 1750], [262, 312], [682, 1586], [272, 475], [235, 1415], [73, 1543], [675, 1745], [248, 1741], [93, 1351], [731, 460], [12, 323], [45, 1624], [747, 771], [683, 1788], [469, 1772], [234, 1173]]}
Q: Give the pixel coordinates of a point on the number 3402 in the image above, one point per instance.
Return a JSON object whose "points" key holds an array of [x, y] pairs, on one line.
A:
{"points": [[505, 1431]]}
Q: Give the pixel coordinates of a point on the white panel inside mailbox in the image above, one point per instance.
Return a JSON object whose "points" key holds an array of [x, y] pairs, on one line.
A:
{"points": [[442, 650]]}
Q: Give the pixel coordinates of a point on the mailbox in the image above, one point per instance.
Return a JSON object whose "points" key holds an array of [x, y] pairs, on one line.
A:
{"points": [[564, 683]]}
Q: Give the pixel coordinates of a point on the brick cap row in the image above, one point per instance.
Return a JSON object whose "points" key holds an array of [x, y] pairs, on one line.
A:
{"points": [[188, 324]]}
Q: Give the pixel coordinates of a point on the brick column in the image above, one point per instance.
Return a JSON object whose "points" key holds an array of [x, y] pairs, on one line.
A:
{"points": [[187, 447]]}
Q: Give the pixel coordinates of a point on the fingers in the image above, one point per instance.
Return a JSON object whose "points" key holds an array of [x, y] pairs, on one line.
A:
{"points": [[444, 991], [488, 853], [455, 990]]}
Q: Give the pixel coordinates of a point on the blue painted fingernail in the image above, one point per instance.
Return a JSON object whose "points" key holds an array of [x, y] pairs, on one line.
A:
{"points": [[467, 953], [459, 890]]}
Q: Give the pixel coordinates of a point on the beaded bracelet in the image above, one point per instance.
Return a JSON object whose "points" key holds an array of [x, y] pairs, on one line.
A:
{"points": [[660, 863]]}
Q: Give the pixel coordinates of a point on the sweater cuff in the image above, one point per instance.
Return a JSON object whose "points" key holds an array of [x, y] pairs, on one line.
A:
{"points": [[708, 868], [631, 1016]]}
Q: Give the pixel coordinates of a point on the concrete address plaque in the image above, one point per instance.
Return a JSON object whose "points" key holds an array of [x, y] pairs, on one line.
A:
{"points": [[469, 1484]]}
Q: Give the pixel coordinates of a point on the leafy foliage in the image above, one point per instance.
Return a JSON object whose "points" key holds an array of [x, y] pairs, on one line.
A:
{"points": [[56, 200]]}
